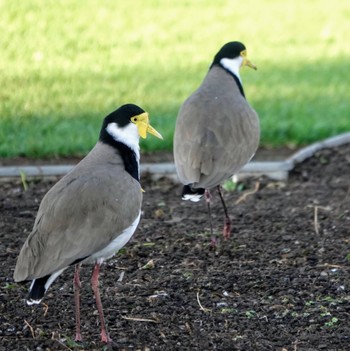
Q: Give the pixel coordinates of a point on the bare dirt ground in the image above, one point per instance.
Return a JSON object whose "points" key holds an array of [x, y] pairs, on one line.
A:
{"points": [[280, 283]]}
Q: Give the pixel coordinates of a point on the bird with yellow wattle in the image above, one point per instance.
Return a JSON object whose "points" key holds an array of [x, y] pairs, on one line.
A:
{"points": [[217, 131], [90, 214]]}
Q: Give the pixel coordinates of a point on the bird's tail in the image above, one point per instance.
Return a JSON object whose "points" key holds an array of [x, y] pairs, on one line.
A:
{"points": [[37, 290], [39, 287], [193, 194]]}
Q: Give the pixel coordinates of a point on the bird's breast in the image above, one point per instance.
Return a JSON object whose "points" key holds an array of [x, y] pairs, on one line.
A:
{"points": [[116, 244]]}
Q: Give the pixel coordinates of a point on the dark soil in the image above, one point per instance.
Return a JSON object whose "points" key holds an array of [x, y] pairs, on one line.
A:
{"points": [[280, 283]]}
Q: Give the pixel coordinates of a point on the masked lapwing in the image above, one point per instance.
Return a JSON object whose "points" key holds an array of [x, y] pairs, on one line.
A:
{"points": [[91, 213], [217, 131]]}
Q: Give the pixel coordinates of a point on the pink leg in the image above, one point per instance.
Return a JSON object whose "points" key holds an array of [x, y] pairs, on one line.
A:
{"points": [[77, 286], [207, 201], [227, 228], [94, 283], [227, 225]]}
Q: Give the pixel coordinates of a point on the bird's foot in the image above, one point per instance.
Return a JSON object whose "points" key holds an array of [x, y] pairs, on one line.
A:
{"points": [[214, 242], [105, 338], [227, 229], [78, 337]]}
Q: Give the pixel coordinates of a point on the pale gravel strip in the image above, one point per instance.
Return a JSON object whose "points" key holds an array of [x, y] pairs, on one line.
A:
{"points": [[274, 169]]}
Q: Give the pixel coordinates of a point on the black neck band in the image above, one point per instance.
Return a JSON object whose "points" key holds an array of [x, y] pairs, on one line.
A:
{"points": [[239, 84], [128, 155]]}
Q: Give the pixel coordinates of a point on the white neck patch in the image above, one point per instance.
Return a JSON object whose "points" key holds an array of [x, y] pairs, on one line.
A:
{"points": [[233, 65], [127, 135]]}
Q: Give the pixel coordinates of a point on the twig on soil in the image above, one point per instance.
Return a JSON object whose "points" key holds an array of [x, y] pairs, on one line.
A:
{"points": [[120, 279], [248, 193], [295, 344], [135, 319], [200, 305], [330, 265], [31, 328], [316, 223], [148, 265], [63, 344], [46, 308], [188, 328]]}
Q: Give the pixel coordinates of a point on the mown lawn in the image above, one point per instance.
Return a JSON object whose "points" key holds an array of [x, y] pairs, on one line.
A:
{"points": [[66, 64]]}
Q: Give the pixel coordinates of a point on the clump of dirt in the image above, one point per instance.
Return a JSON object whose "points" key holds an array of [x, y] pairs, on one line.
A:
{"points": [[280, 283]]}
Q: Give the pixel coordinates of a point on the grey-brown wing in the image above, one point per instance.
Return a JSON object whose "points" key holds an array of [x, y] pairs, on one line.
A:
{"points": [[80, 215], [188, 142], [214, 139]]}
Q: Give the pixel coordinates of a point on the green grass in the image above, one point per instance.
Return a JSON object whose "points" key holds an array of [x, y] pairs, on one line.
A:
{"points": [[66, 64]]}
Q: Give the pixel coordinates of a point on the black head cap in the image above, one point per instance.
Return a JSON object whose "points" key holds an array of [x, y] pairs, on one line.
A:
{"points": [[122, 115], [229, 50]]}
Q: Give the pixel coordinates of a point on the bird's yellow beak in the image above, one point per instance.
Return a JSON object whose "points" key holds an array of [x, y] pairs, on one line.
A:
{"points": [[143, 126], [246, 62]]}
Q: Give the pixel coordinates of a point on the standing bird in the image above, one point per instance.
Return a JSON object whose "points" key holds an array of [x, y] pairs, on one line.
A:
{"points": [[91, 213], [217, 131]]}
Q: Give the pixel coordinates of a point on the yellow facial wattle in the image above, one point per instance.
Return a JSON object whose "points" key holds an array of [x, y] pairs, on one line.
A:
{"points": [[143, 126]]}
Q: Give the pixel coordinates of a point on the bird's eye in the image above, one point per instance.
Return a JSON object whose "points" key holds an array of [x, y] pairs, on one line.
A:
{"points": [[243, 53], [134, 119]]}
